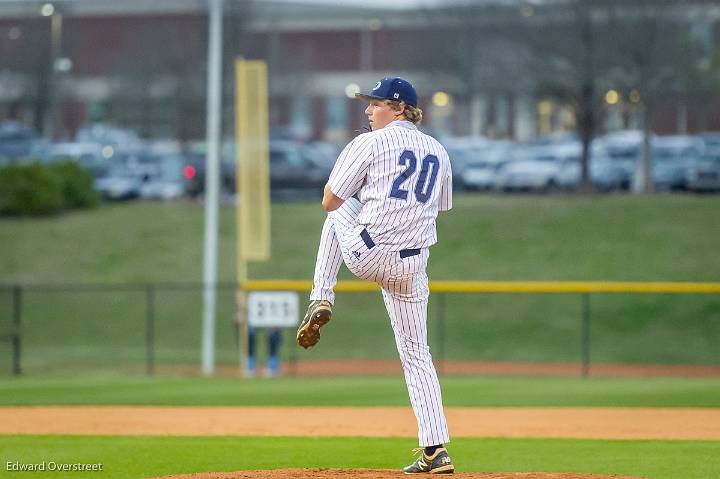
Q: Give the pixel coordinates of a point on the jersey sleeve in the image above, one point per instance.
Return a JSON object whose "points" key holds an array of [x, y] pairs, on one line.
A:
{"points": [[349, 172], [445, 200]]}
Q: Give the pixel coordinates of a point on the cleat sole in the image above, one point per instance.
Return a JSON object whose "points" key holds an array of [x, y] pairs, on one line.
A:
{"points": [[443, 470], [309, 334]]}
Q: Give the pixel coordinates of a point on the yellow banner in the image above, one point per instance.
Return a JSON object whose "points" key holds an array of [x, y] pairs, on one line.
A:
{"points": [[253, 171]]}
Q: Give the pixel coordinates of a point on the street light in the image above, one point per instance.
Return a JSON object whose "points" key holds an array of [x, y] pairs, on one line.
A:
{"points": [[612, 97], [351, 89], [63, 65], [47, 10], [56, 65], [440, 98]]}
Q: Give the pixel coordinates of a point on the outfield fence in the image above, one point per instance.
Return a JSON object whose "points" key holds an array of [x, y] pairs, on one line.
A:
{"points": [[152, 328]]}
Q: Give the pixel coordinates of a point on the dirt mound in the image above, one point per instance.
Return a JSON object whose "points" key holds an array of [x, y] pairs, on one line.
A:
{"points": [[381, 474]]}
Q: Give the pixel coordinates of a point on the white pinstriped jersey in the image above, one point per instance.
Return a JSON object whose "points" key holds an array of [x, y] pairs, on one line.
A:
{"points": [[403, 178]]}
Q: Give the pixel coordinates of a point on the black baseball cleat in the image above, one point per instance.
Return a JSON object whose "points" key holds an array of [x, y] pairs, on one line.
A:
{"points": [[318, 314], [438, 463]]}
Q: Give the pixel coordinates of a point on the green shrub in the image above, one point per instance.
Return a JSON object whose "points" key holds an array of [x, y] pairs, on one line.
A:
{"points": [[30, 190], [76, 184]]}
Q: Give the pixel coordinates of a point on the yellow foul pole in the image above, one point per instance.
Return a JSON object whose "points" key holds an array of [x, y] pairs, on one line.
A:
{"points": [[252, 179]]}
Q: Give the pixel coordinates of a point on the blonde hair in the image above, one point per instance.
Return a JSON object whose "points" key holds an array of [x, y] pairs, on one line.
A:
{"points": [[412, 113]]}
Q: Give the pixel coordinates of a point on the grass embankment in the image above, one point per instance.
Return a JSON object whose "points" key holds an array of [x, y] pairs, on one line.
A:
{"points": [[615, 238]]}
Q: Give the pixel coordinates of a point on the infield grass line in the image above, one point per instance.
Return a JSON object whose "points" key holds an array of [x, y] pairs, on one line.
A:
{"points": [[357, 391]]}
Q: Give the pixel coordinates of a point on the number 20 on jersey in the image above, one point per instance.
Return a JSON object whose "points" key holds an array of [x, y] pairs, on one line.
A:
{"points": [[425, 182]]}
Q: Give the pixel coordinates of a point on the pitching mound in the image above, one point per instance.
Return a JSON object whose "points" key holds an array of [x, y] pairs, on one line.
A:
{"points": [[381, 474]]}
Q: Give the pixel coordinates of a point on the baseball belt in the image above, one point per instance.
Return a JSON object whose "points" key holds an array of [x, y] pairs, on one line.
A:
{"points": [[404, 253]]}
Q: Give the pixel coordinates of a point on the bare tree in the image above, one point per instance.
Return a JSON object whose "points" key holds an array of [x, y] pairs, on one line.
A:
{"points": [[643, 35], [25, 50], [568, 64], [698, 76], [490, 57]]}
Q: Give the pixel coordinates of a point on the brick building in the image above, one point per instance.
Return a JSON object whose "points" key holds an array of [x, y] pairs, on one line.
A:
{"points": [[142, 65]]}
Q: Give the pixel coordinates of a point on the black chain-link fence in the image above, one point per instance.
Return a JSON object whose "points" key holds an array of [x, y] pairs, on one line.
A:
{"points": [[156, 329]]}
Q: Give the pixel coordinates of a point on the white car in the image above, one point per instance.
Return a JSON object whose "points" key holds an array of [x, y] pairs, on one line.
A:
{"points": [[118, 184], [672, 159], [605, 174], [480, 175], [474, 166], [536, 168], [538, 174], [624, 148], [704, 175]]}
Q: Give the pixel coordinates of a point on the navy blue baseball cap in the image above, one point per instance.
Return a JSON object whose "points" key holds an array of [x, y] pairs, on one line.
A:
{"points": [[392, 88]]}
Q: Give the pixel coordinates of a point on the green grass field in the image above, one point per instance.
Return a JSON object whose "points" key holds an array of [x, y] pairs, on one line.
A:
{"points": [[133, 457], [358, 391], [639, 238], [616, 238]]}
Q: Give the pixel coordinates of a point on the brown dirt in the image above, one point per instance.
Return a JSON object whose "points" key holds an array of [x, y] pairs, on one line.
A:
{"points": [[599, 423], [381, 474], [589, 423]]}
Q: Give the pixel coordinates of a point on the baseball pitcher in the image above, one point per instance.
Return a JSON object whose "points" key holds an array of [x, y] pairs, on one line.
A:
{"points": [[401, 178]]}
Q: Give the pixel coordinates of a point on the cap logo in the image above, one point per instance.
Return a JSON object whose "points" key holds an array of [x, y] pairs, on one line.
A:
{"points": [[396, 95], [377, 85]]}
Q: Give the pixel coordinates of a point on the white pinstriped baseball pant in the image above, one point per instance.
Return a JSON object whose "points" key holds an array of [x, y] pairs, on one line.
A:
{"points": [[405, 292]]}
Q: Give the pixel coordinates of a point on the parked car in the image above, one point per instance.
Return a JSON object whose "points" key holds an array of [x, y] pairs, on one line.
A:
{"points": [[193, 169], [194, 173], [710, 140], [292, 166], [605, 174], [459, 161], [533, 174], [463, 151], [704, 175], [118, 183], [120, 139], [165, 180], [624, 148], [536, 168], [480, 175], [322, 154], [18, 142], [672, 158], [480, 172]]}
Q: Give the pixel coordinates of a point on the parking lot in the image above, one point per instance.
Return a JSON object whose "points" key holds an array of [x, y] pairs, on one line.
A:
{"points": [[126, 167]]}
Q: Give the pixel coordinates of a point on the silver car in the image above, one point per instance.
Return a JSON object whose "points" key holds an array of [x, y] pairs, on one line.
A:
{"points": [[535, 168], [605, 174], [165, 180], [119, 183], [672, 158], [482, 165], [704, 175]]}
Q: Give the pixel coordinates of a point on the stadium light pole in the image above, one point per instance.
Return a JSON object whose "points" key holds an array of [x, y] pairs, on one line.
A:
{"points": [[212, 184]]}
